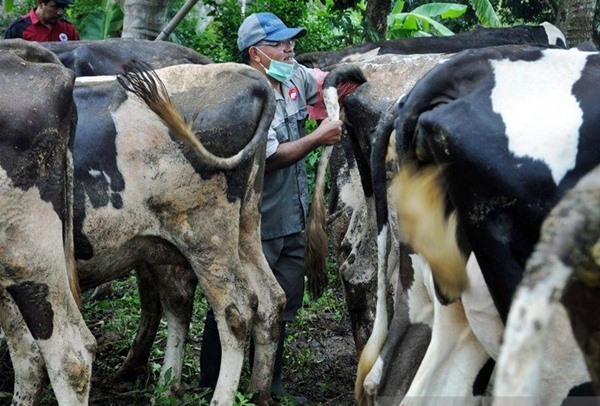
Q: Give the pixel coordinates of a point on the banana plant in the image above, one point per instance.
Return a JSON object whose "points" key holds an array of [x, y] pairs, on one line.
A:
{"points": [[102, 23], [421, 21]]}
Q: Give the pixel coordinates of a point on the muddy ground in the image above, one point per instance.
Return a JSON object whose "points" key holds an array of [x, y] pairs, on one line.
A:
{"points": [[320, 354]]}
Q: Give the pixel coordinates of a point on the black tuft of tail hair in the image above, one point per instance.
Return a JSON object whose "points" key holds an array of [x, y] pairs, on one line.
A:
{"points": [[139, 78]]}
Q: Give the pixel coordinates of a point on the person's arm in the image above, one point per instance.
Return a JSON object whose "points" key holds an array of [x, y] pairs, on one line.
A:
{"points": [[12, 32], [328, 133]]}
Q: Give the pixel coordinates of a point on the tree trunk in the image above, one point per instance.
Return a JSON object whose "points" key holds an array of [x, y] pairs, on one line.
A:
{"points": [[143, 19], [376, 13], [576, 20]]}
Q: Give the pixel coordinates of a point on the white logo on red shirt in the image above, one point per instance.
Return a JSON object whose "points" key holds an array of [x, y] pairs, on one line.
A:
{"points": [[63, 37]]}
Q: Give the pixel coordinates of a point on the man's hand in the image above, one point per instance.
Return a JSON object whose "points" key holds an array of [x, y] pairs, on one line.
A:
{"points": [[330, 131]]}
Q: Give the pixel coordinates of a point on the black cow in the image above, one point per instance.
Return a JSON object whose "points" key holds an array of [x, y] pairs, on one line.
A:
{"points": [[37, 310], [480, 37], [106, 57], [495, 137]]}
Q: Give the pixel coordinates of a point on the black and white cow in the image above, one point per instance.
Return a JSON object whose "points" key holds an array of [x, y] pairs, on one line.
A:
{"points": [[37, 117], [480, 37], [495, 137], [142, 197], [364, 107], [106, 57], [561, 272], [352, 214]]}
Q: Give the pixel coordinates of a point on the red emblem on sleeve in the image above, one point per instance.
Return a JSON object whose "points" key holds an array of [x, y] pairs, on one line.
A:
{"points": [[293, 94]]}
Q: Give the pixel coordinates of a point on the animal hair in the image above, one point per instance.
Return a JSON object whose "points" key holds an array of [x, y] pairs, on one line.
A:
{"points": [[419, 201]]}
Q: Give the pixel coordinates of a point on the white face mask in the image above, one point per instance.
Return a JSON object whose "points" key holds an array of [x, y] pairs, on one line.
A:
{"points": [[280, 71]]}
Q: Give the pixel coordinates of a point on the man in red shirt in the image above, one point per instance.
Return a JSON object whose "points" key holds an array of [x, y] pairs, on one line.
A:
{"points": [[44, 23]]}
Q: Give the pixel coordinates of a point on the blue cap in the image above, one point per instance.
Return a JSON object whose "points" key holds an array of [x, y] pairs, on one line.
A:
{"points": [[265, 26]]}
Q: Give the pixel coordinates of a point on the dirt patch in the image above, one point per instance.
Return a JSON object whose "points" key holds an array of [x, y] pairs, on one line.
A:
{"points": [[328, 376]]}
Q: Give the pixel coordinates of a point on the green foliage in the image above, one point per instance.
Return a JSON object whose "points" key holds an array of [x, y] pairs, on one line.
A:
{"points": [[299, 355], [242, 400], [420, 22], [528, 11], [9, 5], [423, 20], [13, 11], [328, 28], [103, 22], [218, 39], [485, 13]]}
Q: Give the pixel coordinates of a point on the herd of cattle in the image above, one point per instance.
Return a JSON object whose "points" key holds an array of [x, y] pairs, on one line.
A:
{"points": [[464, 212]]}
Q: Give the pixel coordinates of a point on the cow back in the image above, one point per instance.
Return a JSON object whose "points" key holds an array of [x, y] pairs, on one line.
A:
{"points": [[106, 57], [544, 34]]}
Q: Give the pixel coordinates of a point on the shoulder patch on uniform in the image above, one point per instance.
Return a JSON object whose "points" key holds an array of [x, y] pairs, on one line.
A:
{"points": [[293, 93]]}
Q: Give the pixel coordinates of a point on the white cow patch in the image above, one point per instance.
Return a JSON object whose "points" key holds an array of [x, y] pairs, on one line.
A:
{"points": [[548, 102], [94, 79], [553, 33], [539, 357], [454, 356], [480, 310], [21, 234], [420, 307], [351, 193]]}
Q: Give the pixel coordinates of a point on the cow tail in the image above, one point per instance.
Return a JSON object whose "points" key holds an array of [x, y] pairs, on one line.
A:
{"points": [[316, 235], [369, 355], [69, 245], [419, 201], [347, 78], [372, 349], [140, 79]]}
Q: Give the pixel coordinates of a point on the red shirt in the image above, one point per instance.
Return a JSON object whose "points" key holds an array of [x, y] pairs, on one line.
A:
{"points": [[30, 28]]}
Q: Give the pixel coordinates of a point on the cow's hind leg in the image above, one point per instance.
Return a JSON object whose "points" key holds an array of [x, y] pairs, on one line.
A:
{"points": [[271, 302], [26, 358], [176, 287], [267, 324], [136, 362], [40, 288], [234, 306], [57, 330]]}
